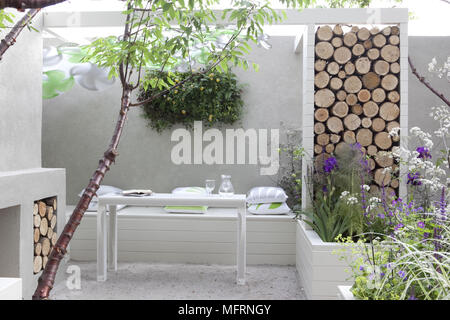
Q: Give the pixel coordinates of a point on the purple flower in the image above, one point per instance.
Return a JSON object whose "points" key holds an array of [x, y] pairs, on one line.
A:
{"points": [[363, 196], [324, 189], [365, 164], [361, 268], [357, 146], [412, 297], [330, 164], [443, 204], [421, 224], [381, 215], [426, 235], [424, 153], [398, 226], [413, 179], [402, 274]]}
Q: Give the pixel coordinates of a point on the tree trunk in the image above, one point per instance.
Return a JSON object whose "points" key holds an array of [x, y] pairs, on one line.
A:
{"points": [[337, 42], [319, 128], [373, 54], [366, 122], [321, 79], [321, 114], [351, 99], [342, 55], [10, 38], [47, 279], [324, 33], [324, 50], [332, 67], [363, 34], [340, 109], [28, 4], [350, 39]]}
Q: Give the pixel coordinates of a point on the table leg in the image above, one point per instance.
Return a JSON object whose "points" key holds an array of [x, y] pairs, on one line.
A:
{"points": [[101, 243], [241, 245], [112, 240]]}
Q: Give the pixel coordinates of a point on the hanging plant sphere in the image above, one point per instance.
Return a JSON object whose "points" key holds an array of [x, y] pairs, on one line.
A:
{"points": [[213, 98]]}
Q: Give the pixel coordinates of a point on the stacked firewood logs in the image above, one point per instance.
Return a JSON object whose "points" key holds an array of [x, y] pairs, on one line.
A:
{"points": [[45, 236], [357, 95]]}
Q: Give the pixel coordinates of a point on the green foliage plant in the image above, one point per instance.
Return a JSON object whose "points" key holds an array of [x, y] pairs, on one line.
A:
{"points": [[336, 195], [213, 98]]}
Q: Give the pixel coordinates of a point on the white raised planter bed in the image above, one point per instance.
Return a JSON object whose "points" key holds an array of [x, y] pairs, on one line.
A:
{"points": [[320, 271], [344, 293], [10, 289]]}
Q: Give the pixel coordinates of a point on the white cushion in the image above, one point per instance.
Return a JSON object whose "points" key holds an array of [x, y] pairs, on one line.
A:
{"points": [[269, 208], [266, 195], [187, 209]]}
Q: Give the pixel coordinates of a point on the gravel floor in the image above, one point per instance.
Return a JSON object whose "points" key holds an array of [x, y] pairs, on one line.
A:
{"points": [[182, 281]]}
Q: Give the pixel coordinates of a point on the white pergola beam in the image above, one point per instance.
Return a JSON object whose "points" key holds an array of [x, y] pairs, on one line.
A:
{"points": [[54, 19]]}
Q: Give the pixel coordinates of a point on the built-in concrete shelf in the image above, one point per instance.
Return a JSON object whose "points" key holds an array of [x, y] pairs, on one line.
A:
{"points": [[10, 289], [19, 190]]}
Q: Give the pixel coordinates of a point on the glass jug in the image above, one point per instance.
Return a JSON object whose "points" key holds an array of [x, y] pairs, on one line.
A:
{"points": [[226, 188]]}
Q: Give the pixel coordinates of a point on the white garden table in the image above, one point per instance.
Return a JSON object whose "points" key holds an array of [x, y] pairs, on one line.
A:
{"points": [[237, 201]]}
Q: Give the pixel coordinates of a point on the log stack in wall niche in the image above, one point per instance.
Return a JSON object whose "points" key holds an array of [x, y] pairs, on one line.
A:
{"points": [[44, 233], [357, 95]]}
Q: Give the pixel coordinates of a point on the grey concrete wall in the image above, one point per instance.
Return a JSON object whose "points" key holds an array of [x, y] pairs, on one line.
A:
{"points": [[22, 180], [421, 99], [21, 102], [77, 125]]}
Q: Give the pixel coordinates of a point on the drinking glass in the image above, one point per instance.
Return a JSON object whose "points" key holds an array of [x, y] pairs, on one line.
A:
{"points": [[210, 185]]}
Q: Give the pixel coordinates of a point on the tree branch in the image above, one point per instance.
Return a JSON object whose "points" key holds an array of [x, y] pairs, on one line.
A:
{"points": [[48, 276], [47, 279], [426, 84], [221, 57], [28, 4], [152, 98], [12, 35]]}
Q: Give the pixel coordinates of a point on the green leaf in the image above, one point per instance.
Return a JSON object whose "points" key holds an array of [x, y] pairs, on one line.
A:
{"points": [[56, 83], [167, 6], [224, 65]]}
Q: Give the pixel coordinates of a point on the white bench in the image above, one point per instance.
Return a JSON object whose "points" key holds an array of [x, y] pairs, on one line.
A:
{"points": [[149, 234]]}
